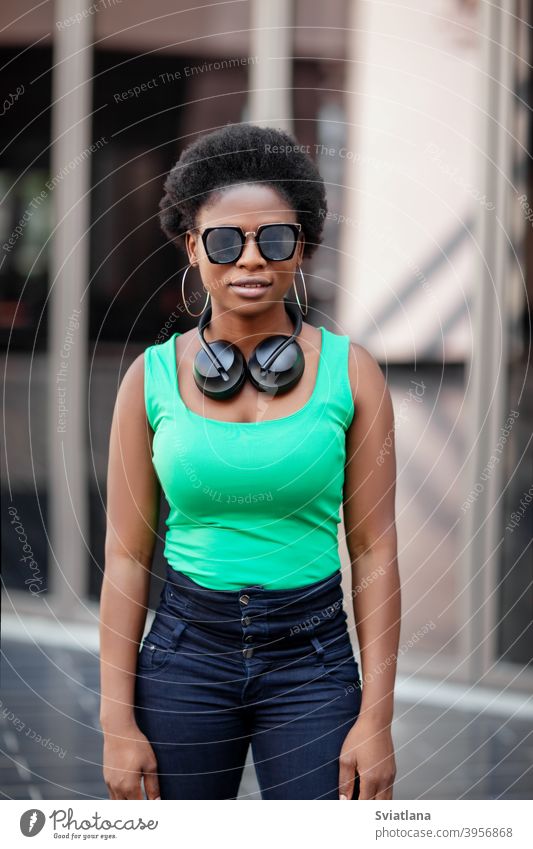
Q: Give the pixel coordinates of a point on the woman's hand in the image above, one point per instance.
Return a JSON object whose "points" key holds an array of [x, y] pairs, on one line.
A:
{"points": [[128, 756], [369, 751]]}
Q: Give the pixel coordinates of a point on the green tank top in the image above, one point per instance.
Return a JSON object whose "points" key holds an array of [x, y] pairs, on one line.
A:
{"points": [[251, 503]]}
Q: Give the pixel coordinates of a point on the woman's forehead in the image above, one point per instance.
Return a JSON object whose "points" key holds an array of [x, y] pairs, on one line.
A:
{"points": [[249, 204]]}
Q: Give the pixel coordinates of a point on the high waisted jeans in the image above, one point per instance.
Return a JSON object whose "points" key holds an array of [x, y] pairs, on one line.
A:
{"points": [[221, 670]]}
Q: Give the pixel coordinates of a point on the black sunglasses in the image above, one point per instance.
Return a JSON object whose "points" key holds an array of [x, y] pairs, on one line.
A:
{"points": [[276, 242]]}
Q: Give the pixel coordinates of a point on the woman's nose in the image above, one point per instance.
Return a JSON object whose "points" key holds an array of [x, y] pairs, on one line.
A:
{"points": [[250, 255]]}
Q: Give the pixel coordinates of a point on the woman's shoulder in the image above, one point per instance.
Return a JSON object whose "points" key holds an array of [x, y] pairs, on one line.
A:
{"points": [[133, 380], [367, 380], [130, 395]]}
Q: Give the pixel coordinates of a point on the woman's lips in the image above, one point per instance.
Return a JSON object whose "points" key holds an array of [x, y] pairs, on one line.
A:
{"points": [[250, 288], [244, 281]]}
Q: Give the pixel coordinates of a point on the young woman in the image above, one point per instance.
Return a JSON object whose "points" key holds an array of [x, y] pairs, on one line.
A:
{"points": [[257, 426]]}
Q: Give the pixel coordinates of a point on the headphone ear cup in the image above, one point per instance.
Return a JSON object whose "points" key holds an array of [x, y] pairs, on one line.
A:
{"points": [[283, 373], [206, 376]]}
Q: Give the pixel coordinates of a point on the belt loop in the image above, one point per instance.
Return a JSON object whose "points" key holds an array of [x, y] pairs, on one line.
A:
{"points": [[318, 646], [177, 632]]}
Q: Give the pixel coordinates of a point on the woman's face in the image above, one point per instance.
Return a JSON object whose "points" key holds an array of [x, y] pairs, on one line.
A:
{"points": [[246, 206]]}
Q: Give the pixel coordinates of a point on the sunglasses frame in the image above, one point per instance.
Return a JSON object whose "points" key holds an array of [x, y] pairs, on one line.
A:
{"points": [[296, 228]]}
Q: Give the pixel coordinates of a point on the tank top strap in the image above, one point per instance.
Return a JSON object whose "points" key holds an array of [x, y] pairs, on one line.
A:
{"points": [[333, 382], [160, 380]]}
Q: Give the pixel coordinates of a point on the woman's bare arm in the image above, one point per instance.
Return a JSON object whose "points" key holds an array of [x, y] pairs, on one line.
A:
{"points": [[370, 525], [132, 517], [133, 493]]}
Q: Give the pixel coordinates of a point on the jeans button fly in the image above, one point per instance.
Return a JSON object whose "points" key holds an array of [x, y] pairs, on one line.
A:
{"points": [[244, 599], [248, 653], [246, 620]]}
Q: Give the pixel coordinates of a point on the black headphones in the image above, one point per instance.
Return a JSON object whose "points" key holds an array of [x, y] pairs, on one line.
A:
{"points": [[275, 365]]}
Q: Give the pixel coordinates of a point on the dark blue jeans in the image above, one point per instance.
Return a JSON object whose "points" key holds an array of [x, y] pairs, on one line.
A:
{"points": [[220, 671]]}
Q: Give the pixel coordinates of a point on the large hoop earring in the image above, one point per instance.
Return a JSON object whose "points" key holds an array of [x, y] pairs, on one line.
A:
{"points": [[194, 315], [305, 290]]}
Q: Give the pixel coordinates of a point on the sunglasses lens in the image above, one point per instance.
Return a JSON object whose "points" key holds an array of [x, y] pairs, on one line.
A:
{"points": [[277, 241], [223, 244]]}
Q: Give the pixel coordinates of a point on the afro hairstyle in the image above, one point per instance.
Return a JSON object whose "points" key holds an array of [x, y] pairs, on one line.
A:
{"points": [[237, 154]]}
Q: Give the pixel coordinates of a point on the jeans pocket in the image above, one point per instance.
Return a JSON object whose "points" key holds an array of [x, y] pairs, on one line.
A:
{"points": [[174, 599], [336, 661], [158, 648]]}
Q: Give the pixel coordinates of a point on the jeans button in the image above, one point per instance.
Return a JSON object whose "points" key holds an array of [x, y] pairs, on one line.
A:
{"points": [[248, 653], [244, 599], [248, 638], [246, 620]]}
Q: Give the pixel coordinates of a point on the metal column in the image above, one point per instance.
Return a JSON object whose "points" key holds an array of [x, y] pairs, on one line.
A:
{"points": [[486, 379], [271, 43], [68, 305]]}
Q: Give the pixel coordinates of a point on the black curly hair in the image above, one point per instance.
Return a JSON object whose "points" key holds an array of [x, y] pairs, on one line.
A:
{"points": [[244, 153]]}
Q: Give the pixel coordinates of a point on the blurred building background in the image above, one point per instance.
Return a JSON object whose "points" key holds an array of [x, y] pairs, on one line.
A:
{"points": [[418, 115]]}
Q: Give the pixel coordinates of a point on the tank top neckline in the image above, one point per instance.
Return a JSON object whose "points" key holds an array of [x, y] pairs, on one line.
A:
{"points": [[306, 407]]}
